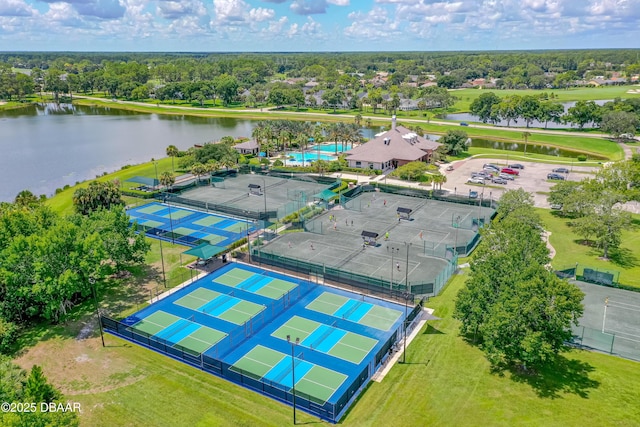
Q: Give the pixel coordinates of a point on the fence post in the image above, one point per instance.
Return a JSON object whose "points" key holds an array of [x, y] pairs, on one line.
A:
{"points": [[612, 340]]}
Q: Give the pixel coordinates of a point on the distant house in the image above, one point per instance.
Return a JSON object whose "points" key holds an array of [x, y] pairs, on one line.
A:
{"points": [[391, 149], [248, 147]]}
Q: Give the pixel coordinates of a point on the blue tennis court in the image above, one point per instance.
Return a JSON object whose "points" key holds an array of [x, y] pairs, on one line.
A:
{"points": [[188, 226], [296, 332]]}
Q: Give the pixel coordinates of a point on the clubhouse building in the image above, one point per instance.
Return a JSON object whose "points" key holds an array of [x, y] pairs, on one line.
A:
{"points": [[392, 149]]}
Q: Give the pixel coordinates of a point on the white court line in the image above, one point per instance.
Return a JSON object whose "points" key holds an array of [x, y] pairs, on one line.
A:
{"points": [[261, 363], [300, 330], [618, 304], [617, 335], [317, 383]]}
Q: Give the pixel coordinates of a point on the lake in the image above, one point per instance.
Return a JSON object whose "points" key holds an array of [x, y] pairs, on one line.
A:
{"points": [[468, 117], [48, 146]]}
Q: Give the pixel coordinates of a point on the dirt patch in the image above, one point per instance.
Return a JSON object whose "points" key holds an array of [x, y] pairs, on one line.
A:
{"points": [[81, 367]]}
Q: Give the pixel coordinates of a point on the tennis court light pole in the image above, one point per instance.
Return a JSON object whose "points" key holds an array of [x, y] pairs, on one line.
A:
{"points": [[164, 277], [293, 373], [406, 295], [170, 219], [92, 282]]}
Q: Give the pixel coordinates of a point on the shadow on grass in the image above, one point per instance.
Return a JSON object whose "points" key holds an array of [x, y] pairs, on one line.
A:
{"points": [[623, 257], [563, 376], [432, 331]]}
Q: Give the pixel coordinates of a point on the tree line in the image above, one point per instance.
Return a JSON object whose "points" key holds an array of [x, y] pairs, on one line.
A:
{"points": [[617, 117], [278, 79]]}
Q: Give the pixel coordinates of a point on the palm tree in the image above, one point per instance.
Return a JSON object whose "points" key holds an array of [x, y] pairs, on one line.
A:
{"points": [[172, 151], [526, 136], [167, 179], [198, 169], [438, 180]]}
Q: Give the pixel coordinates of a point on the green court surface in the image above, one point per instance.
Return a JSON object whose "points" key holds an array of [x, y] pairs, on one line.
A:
{"points": [[318, 383], [151, 209], [197, 298], [336, 342], [177, 214], [201, 339], [184, 231], [274, 288], [155, 322], [258, 362], [241, 312], [236, 228], [151, 223], [214, 239], [209, 220], [380, 318], [376, 317]]}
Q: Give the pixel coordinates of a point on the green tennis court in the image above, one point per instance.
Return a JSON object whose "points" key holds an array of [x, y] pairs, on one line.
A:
{"points": [[361, 312], [197, 298], [156, 322], [225, 307], [327, 339], [235, 228], [175, 214], [214, 239], [256, 283], [275, 367], [209, 220], [184, 231], [151, 209], [178, 331]]}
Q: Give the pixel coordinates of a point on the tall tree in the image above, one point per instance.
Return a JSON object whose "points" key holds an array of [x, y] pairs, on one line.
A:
{"points": [[617, 123], [455, 141], [485, 107], [173, 152], [98, 195]]}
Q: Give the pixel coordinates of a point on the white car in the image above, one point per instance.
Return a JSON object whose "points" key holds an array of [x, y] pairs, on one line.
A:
{"points": [[475, 181], [506, 176]]}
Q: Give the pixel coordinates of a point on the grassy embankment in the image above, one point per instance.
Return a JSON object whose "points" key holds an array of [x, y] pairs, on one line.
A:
{"points": [[571, 249]]}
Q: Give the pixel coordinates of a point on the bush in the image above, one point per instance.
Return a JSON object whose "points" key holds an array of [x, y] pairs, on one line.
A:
{"points": [[8, 335], [278, 163], [582, 157]]}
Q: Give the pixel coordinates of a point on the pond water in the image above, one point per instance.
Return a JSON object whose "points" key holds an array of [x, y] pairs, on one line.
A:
{"points": [[519, 147], [468, 117]]}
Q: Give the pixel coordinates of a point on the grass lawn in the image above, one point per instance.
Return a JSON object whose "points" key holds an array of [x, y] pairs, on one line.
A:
{"points": [[63, 201], [466, 96], [445, 382], [570, 250], [582, 144]]}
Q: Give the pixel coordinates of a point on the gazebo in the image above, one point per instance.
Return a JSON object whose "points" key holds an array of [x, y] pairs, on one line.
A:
{"points": [[369, 237], [404, 213]]}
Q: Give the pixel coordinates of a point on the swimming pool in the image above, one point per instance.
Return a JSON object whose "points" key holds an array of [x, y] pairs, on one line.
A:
{"points": [[308, 157], [330, 148]]}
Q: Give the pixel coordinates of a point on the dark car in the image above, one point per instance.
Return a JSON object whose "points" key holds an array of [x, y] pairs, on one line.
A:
{"points": [[464, 124], [555, 176], [499, 180], [561, 170], [516, 166], [510, 171]]}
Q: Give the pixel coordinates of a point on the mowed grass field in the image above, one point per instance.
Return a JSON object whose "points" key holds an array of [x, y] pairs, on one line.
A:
{"points": [[445, 382], [571, 249]]}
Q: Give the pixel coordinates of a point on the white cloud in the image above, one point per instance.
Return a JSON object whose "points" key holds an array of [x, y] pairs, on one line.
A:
{"points": [[174, 9], [261, 14], [15, 8], [230, 10]]}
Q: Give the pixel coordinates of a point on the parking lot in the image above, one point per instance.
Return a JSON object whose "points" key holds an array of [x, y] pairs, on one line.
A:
{"points": [[533, 178]]}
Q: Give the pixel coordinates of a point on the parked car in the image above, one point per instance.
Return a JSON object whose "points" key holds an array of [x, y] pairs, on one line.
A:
{"points": [[556, 206], [561, 170], [516, 166], [478, 180], [491, 165], [449, 168], [506, 176], [510, 171], [555, 176], [473, 194], [498, 180], [464, 124]]}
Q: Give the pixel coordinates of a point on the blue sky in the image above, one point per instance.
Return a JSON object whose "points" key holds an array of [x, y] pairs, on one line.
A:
{"points": [[317, 25]]}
